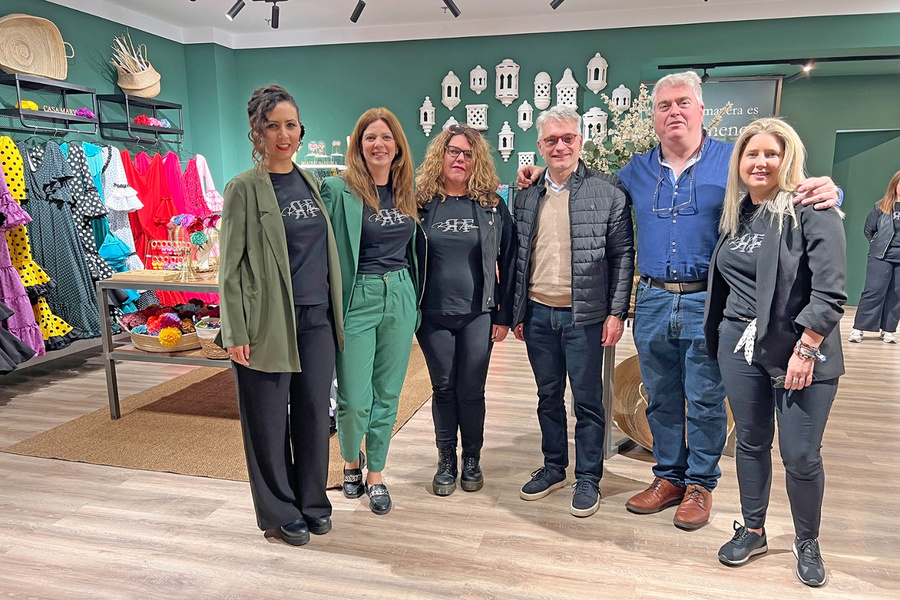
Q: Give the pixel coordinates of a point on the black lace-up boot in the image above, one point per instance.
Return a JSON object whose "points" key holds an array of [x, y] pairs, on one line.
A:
{"points": [[445, 479], [471, 479]]}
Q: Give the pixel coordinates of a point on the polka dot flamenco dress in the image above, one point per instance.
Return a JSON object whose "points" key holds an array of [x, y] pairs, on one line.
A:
{"points": [[56, 332]]}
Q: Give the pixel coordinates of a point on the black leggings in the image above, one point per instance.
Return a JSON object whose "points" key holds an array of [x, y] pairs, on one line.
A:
{"points": [[287, 454], [801, 417], [457, 350]]}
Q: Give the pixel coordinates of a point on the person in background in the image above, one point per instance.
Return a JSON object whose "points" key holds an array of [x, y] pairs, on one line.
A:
{"points": [[573, 282], [279, 286], [374, 213], [879, 305], [467, 258], [776, 291]]}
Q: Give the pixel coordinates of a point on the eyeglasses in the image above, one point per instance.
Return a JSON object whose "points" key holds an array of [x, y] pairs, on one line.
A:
{"points": [[460, 129], [685, 208], [455, 152], [567, 139]]}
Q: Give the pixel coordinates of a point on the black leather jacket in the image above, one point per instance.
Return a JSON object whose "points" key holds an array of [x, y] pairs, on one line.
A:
{"points": [[602, 245], [498, 252], [879, 230]]}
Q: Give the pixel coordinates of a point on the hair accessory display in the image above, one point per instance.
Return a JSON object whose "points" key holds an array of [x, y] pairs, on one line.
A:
{"points": [[27, 105], [85, 112]]}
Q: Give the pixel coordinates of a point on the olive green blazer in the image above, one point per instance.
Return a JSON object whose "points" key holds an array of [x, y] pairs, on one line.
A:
{"points": [[255, 294]]}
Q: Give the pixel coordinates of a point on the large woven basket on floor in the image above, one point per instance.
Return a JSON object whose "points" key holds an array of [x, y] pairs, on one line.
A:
{"points": [[150, 343], [208, 345]]}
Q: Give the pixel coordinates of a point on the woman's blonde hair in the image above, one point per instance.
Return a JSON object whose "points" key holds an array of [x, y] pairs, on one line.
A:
{"points": [[357, 175], [886, 204], [261, 103], [483, 180], [790, 174]]}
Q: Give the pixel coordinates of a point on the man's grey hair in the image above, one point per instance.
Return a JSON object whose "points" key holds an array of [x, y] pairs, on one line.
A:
{"points": [[685, 79], [558, 113]]}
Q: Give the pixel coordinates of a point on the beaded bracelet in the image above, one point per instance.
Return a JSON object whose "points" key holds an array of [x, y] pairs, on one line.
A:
{"points": [[806, 351]]}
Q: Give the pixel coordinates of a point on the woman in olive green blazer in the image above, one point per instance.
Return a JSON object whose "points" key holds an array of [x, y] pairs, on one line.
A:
{"points": [[279, 286]]}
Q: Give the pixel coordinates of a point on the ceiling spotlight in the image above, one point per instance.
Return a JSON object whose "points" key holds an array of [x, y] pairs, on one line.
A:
{"points": [[234, 10], [705, 77], [275, 13], [451, 6], [360, 5], [555, 4], [808, 66]]}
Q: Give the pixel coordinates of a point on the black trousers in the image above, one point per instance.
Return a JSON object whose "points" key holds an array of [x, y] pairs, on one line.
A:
{"points": [[285, 424], [879, 305], [457, 350], [800, 415]]}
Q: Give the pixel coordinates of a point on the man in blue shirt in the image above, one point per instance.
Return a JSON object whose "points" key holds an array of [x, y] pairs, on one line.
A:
{"points": [[677, 190]]}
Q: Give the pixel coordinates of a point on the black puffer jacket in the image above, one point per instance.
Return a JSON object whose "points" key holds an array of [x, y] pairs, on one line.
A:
{"points": [[602, 245]]}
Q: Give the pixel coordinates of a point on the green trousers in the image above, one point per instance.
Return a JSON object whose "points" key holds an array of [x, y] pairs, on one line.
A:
{"points": [[378, 332]]}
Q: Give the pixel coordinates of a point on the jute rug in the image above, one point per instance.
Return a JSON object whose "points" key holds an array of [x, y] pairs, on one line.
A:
{"points": [[188, 425]]}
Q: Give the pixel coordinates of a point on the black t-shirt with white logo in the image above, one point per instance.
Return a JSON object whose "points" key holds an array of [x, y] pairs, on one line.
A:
{"points": [[385, 236], [454, 279], [307, 238], [893, 250], [737, 261]]}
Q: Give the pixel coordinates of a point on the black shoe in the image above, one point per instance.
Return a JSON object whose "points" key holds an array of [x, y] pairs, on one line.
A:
{"points": [[295, 533], [379, 498], [319, 526], [354, 486], [543, 481], [810, 568], [471, 479], [444, 482], [742, 546], [585, 498]]}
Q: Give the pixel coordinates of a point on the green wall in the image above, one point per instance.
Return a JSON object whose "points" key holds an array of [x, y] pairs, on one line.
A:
{"points": [[335, 84]]}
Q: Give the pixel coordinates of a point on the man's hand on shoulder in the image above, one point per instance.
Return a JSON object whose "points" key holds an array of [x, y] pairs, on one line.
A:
{"points": [[820, 191]]}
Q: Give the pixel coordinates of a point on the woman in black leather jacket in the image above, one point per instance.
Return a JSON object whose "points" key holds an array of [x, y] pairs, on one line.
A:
{"points": [[466, 260]]}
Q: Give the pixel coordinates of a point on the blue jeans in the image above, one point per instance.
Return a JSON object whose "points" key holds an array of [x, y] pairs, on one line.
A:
{"points": [[678, 375], [556, 348]]}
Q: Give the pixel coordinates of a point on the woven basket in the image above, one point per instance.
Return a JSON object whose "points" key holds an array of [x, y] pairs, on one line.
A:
{"points": [[208, 345], [32, 46], [150, 343], [143, 84]]}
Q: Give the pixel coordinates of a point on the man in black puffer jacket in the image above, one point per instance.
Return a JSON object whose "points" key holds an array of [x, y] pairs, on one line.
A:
{"points": [[573, 285]]}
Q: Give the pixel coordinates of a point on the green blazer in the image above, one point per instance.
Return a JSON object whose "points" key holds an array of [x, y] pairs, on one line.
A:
{"points": [[346, 212], [256, 298]]}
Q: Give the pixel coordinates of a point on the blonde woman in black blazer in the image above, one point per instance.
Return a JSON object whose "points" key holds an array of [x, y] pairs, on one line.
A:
{"points": [[776, 291]]}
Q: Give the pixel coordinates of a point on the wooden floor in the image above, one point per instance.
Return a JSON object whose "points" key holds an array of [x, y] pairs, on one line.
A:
{"points": [[73, 531]]}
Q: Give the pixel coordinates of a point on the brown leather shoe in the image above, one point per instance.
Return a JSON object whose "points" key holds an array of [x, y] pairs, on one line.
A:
{"points": [[693, 512], [661, 494]]}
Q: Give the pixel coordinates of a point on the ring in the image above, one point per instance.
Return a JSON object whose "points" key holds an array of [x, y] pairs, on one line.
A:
{"points": [[796, 380]]}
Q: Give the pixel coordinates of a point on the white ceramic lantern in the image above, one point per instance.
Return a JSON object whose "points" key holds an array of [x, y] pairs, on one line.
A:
{"points": [[449, 123], [526, 158], [593, 124], [506, 86], [526, 116], [450, 90], [597, 68], [426, 116], [506, 141], [476, 116], [567, 90], [621, 98], [542, 86], [478, 79]]}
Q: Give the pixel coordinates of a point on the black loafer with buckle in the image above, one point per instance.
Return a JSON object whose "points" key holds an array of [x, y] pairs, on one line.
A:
{"points": [[354, 486], [379, 498]]}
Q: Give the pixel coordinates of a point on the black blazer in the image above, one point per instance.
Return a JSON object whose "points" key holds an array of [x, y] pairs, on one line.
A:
{"points": [[799, 284]]}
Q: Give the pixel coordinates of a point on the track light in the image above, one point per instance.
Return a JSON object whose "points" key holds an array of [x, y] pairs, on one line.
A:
{"points": [[357, 11], [275, 14], [808, 66], [451, 6], [555, 4], [705, 77], [234, 10]]}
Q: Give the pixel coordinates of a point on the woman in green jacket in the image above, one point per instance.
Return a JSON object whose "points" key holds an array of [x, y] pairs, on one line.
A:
{"points": [[279, 286], [374, 213]]}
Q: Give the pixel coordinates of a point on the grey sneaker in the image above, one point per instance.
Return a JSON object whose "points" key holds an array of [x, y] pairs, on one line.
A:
{"points": [[585, 498], [742, 546], [810, 568], [856, 336], [543, 481]]}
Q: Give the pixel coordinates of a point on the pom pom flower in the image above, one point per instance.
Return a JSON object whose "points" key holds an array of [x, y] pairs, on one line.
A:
{"points": [[169, 336]]}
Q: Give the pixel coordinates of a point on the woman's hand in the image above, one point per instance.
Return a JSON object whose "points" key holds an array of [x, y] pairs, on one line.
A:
{"points": [[799, 373], [498, 332], [240, 354], [527, 175], [519, 332]]}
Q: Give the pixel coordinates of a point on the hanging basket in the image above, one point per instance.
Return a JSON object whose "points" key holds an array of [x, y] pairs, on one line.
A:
{"points": [[150, 343], [32, 46], [144, 84]]}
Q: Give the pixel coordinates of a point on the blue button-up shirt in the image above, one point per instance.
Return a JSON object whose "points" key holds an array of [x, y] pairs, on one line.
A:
{"points": [[677, 220]]}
